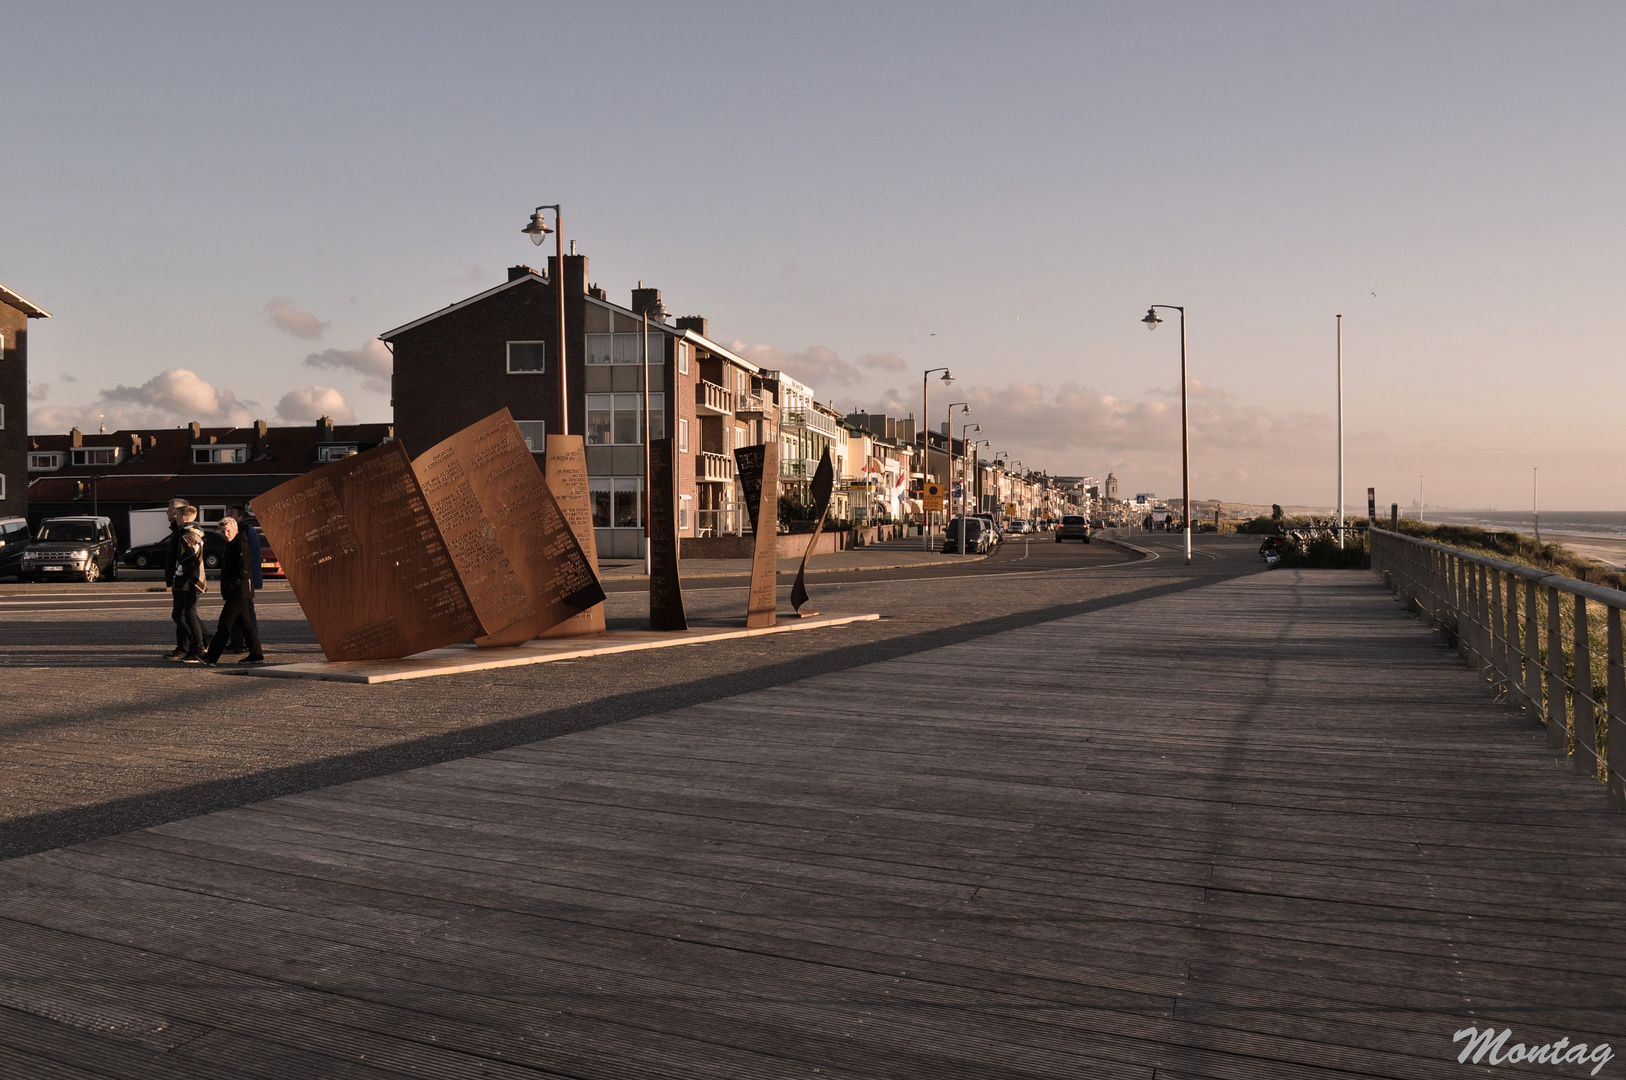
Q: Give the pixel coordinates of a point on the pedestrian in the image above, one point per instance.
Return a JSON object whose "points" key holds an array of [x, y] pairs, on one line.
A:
{"points": [[237, 593], [171, 553], [187, 584], [238, 643]]}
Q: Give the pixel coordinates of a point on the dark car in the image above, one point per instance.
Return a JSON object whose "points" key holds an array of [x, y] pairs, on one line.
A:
{"points": [[14, 540], [1073, 527], [64, 547], [976, 536], [152, 556]]}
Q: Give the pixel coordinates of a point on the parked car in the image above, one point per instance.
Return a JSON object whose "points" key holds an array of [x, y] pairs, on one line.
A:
{"points": [[995, 535], [976, 536], [69, 546], [1073, 527], [14, 540], [1017, 526], [151, 556]]}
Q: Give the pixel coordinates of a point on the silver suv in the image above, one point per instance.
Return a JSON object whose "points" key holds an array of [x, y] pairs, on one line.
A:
{"points": [[82, 547]]}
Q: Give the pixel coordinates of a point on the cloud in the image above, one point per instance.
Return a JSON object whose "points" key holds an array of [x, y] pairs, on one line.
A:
{"points": [[173, 396], [373, 362], [69, 378], [817, 366], [884, 361], [1195, 389], [301, 324], [314, 402], [39, 391]]}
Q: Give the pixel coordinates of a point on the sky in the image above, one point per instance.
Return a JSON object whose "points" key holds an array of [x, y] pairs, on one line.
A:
{"points": [[223, 205]]}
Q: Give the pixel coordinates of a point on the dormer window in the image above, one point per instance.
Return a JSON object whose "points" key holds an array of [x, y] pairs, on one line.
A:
{"points": [[96, 455], [44, 462], [334, 453], [219, 455]]}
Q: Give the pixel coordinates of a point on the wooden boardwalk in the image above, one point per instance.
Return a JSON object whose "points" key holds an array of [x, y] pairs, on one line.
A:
{"points": [[1262, 829]]}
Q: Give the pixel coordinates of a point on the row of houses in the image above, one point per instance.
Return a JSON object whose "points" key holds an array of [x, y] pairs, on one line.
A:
{"points": [[501, 348]]}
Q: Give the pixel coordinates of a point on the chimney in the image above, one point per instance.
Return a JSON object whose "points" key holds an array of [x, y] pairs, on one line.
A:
{"points": [[643, 299], [260, 428], [196, 430], [517, 272], [76, 437], [135, 446], [597, 292], [324, 429], [575, 273], [697, 323]]}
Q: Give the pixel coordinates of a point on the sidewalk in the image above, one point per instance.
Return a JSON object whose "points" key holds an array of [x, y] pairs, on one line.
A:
{"points": [[894, 555]]}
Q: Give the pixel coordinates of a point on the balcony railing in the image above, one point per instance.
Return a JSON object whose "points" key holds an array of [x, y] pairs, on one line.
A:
{"points": [[750, 403], [711, 398], [710, 468]]}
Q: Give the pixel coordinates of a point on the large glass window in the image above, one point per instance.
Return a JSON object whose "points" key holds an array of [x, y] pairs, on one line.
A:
{"points": [[535, 434], [527, 357], [97, 456], [613, 419], [625, 348], [618, 501], [683, 436]]}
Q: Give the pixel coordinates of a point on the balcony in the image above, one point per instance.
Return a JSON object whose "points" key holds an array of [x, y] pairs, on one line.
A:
{"points": [[713, 468], [713, 400], [751, 403], [811, 419]]}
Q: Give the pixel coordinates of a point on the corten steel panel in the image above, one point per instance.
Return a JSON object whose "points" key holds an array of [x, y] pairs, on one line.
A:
{"points": [[758, 468], [567, 479], [665, 588], [365, 559], [824, 482], [519, 562]]}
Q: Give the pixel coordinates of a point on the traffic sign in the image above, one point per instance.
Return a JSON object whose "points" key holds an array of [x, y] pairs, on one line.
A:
{"points": [[934, 497]]}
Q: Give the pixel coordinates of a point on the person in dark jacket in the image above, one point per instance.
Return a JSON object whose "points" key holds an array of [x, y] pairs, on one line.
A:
{"points": [[171, 554], [187, 584], [238, 643], [237, 591]]}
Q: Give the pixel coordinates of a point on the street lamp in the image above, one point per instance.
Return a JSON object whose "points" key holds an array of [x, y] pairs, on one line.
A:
{"points": [[998, 496], [976, 468], [1340, 433], [925, 443], [965, 485], [948, 455], [537, 229], [1151, 322]]}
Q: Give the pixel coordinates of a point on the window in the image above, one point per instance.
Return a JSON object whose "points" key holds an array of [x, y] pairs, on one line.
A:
{"points": [[683, 511], [334, 453], [535, 434], [625, 348], [527, 357], [683, 436], [2, 485], [612, 419], [618, 501], [44, 462], [97, 455], [227, 455], [2, 417], [683, 357]]}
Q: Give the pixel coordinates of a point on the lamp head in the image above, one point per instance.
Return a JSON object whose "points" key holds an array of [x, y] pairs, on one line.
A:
{"points": [[537, 229], [948, 377], [1151, 319]]}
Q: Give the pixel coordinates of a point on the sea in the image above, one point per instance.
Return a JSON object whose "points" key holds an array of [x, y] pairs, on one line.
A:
{"points": [[1603, 523]]}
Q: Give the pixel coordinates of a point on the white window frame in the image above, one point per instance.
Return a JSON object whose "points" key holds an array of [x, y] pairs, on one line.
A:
{"points": [[333, 453], [81, 455], [683, 436], [54, 455], [683, 357], [535, 449], [615, 485], [628, 347], [2, 485], [508, 356], [239, 454], [2, 416], [637, 398], [685, 506]]}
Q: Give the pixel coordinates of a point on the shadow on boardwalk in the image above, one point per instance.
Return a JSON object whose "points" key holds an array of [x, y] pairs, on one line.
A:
{"points": [[1264, 828]]}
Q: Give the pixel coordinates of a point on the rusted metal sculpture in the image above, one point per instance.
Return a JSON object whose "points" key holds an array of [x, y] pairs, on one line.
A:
{"points": [[824, 482], [758, 469]]}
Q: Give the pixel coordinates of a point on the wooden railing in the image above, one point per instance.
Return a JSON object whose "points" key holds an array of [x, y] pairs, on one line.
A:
{"points": [[1551, 643]]}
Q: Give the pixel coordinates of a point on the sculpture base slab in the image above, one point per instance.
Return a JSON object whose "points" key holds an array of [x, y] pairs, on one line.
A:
{"points": [[459, 659]]}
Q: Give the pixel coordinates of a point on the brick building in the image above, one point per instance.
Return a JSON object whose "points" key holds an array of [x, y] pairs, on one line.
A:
{"points": [[14, 315], [499, 349]]}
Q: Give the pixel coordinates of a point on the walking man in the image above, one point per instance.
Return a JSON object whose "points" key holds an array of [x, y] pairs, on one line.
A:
{"points": [[237, 591], [171, 554], [187, 583], [237, 643]]}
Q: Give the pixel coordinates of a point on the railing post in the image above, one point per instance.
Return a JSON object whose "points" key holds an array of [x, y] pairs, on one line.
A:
{"points": [[1586, 729], [1498, 629], [1558, 729], [1615, 725], [1532, 653]]}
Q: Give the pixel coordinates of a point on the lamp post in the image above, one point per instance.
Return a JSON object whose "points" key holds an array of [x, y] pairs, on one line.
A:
{"points": [[948, 456], [976, 468], [537, 229], [1340, 433], [649, 495], [998, 495], [925, 441], [1151, 322], [965, 479]]}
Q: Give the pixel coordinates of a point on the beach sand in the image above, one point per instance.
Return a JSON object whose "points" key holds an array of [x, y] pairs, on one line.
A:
{"points": [[1605, 549]]}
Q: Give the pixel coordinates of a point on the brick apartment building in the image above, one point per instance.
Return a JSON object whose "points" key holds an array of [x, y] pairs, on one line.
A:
{"points": [[212, 468], [15, 312], [499, 349]]}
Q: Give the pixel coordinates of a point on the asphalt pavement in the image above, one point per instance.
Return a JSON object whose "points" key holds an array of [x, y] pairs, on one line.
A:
{"points": [[101, 735]]}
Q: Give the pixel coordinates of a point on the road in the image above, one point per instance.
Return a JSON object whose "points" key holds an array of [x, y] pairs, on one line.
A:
{"points": [[102, 735]]}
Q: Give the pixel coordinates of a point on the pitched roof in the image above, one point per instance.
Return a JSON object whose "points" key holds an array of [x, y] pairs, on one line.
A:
{"points": [[27, 307]]}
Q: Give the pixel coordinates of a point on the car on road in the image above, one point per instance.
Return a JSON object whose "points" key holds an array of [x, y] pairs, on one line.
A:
{"points": [[64, 547], [1073, 527], [1016, 526], [976, 536], [152, 556], [14, 540]]}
